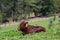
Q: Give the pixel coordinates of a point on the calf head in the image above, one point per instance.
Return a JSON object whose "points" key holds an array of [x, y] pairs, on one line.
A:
{"points": [[22, 25]]}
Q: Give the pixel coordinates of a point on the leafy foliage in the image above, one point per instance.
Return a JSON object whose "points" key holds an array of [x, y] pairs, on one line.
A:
{"points": [[12, 8]]}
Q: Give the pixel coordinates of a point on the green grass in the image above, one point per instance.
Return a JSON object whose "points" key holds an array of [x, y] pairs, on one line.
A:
{"points": [[11, 33]]}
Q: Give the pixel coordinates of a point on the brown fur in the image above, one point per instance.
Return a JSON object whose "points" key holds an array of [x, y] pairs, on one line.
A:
{"points": [[30, 28]]}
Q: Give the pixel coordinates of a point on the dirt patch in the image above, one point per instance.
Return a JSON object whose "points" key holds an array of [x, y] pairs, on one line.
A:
{"points": [[29, 20]]}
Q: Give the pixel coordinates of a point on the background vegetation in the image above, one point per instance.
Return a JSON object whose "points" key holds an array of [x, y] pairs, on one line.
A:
{"points": [[21, 9]]}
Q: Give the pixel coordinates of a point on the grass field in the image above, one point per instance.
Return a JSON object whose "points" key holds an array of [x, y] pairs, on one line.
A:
{"points": [[11, 33]]}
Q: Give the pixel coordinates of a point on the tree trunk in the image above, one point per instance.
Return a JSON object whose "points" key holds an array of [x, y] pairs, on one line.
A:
{"points": [[35, 13], [43, 13]]}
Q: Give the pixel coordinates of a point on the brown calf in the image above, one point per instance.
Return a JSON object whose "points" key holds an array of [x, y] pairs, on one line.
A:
{"points": [[28, 29]]}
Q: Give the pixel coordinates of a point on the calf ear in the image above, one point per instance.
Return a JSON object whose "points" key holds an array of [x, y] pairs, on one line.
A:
{"points": [[26, 25]]}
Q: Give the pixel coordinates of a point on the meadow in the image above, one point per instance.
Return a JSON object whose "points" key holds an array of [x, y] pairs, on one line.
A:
{"points": [[11, 33]]}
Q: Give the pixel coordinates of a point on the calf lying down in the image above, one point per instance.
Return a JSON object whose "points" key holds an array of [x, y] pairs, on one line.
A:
{"points": [[28, 29]]}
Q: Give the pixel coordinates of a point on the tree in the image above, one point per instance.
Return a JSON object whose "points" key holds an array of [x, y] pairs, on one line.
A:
{"points": [[5, 5], [41, 6], [14, 8]]}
